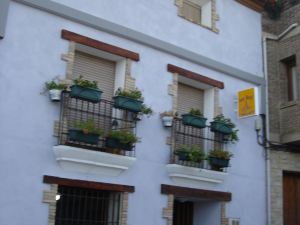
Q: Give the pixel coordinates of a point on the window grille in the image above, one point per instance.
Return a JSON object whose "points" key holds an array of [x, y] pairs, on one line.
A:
{"points": [[82, 206], [188, 135], [103, 114], [183, 213], [234, 221]]}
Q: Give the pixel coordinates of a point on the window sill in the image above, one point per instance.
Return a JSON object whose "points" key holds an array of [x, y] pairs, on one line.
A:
{"points": [[289, 104], [87, 161], [194, 177]]}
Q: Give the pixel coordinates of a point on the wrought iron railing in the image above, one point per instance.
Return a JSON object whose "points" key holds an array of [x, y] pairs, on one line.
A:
{"points": [[83, 206], [104, 117], [185, 135]]}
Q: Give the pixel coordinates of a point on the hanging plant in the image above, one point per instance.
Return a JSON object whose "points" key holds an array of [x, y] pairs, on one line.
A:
{"points": [[274, 8]]}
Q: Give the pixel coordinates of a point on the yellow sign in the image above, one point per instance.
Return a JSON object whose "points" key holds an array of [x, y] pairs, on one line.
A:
{"points": [[247, 102]]}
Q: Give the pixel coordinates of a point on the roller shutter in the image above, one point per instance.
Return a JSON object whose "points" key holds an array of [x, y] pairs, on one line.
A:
{"points": [[96, 69], [189, 97], [191, 11]]}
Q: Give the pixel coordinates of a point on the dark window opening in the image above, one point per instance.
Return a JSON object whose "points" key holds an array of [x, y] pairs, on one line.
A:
{"points": [[292, 79], [183, 213], [82, 206]]}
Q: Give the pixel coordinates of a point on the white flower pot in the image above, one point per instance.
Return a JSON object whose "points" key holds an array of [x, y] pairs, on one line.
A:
{"points": [[55, 94], [167, 121]]}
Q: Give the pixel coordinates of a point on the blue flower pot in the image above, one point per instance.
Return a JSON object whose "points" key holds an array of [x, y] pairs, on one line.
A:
{"points": [[194, 121], [87, 94], [126, 103]]}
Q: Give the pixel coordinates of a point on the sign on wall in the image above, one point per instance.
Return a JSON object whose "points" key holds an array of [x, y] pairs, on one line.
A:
{"points": [[248, 102]]}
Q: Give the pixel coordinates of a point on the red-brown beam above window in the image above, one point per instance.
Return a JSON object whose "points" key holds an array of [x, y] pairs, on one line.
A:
{"points": [[87, 184], [71, 36], [195, 193], [195, 76], [256, 5]]}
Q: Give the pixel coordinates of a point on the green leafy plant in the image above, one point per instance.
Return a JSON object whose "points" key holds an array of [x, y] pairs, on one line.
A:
{"points": [[125, 137], [195, 112], [88, 127], [192, 152], [221, 154], [221, 119], [273, 8], [135, 94], [233, 136], [85, 83], [147, 110], [54, 85], [168, 113]]}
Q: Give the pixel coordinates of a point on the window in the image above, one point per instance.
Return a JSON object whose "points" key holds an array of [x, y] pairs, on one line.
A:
{"points": [[83, 206], [189, 97], [196, 11], [96, 69], [183, 212], [292, 78]]}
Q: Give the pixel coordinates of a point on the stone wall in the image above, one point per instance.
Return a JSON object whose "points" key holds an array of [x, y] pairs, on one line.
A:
{"points": [[284, 115], [280, 161], [290, 15]]}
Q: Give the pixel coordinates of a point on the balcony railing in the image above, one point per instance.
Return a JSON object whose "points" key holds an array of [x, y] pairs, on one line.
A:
{"points": [[189, 136], [104, 117]]}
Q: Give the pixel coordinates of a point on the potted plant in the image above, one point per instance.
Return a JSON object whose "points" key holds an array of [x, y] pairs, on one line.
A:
{"points": [[273, 8], [55, 90], [191, 153], [86, 90], [167, 118], [219, 159], [145, 110], [85, 131], [194, 118], [129, 100], [121, 139], [222, 125]]}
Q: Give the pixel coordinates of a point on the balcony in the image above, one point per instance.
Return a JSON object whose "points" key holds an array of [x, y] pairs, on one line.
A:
{"points": [[290, 123], [93, 157], [189, 173]]}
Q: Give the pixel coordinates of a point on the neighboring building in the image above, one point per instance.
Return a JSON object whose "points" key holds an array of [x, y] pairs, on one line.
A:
{"points": [[283, 69], [182, 54]]}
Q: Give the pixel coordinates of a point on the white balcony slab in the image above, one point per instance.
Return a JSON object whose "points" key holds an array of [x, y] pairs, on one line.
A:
{"points": [[87, 161], [194, 177]]}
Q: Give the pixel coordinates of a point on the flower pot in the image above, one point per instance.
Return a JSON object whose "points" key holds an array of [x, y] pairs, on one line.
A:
{"points": [[182, 156], [167, 121], [218, 162], [194, 121], [115, 143], [126, 103], [55, 95], [78, 135], [220, 128], [87, 94]]}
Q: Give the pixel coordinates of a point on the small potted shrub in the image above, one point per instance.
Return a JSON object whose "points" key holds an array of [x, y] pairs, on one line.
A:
{"points": [[273, 8], [219, 159], [129, 100], [222, 125], [86, 90], [121, 139], [145, 110], [85, 132], [55, 90], [167, 118], [194, 118], [191, 153]]}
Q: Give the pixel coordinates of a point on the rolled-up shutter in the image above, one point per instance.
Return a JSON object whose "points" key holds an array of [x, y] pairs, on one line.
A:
{"points": [[191, 11], [189, 97], [96, 69]]}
